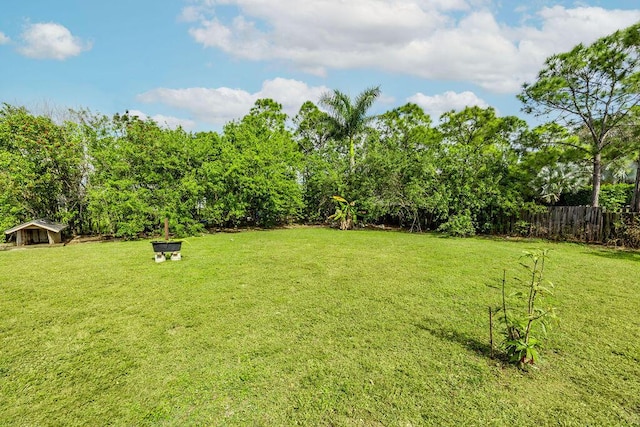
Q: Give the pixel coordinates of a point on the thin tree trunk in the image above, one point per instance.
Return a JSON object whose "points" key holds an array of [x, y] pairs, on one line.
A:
{"points": [[635, 201], [597, 176], [352, 156]]}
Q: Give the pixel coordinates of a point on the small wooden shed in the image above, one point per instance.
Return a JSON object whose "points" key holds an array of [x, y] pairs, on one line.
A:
{"points": [[37, 231]]}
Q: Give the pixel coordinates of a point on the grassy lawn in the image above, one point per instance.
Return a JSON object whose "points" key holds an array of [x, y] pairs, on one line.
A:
{"points": [[309, 327]]}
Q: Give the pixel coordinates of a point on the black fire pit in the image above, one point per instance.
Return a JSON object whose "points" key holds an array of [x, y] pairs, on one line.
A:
{"points": [[163, 247], [172, 248]]}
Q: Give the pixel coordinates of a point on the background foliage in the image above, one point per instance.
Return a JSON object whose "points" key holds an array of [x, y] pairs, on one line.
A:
{"points": [[122, 175]]}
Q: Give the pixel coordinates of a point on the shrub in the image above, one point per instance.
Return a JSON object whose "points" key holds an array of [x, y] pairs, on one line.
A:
{"points": [[614, 197], [346, 213], [627, 231], [459, 225], [522, 228]]}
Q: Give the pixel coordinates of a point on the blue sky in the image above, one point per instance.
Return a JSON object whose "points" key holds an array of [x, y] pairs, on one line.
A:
{"points": [[201, 63]]}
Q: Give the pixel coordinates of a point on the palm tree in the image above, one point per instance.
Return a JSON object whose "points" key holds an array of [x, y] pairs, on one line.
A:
{"points": [[553, 181], [348, 119]]}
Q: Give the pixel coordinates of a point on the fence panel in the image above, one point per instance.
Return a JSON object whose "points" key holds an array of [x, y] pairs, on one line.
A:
{"points": [[579, 223]]}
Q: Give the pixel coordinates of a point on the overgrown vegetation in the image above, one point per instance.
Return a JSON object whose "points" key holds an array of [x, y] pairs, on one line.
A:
{"points": [[629, 230], [122, 175]]}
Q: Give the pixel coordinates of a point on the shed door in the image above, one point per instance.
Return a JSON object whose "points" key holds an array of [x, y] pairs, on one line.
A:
{"points": [[36, 236]]}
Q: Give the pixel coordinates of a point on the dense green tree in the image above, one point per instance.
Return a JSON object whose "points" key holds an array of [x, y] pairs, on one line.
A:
{"points": [[594, 87], [41, 167], [399, 174], [551, 163], [141, 175], [312, 128], [260, 167], [476, 165], [324, 172], [628, 137]]}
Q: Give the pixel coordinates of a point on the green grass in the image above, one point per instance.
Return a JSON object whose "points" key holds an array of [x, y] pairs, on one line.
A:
{"points": [[309, 327]]}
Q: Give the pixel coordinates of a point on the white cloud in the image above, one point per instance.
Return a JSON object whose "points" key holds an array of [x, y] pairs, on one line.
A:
{"points": [[438, 104], [50, 41], [138, 113], [165, 121], [173, 122], [3, 38], [438, 39], [191, 14], [220, 105]]}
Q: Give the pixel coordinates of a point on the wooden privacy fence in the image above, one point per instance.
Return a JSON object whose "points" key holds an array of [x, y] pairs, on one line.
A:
{"points": [[581, 223]]}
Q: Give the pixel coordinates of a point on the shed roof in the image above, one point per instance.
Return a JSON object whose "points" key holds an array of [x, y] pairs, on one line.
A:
{"points": [[41, 223]]}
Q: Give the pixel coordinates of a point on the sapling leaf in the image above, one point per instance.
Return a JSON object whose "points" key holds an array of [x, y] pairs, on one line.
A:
{"points": [[519, 343], [544, 290]]}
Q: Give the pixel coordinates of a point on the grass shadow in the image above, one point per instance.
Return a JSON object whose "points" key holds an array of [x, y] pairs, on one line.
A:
{"points": [[467, 341], [620, 254]]}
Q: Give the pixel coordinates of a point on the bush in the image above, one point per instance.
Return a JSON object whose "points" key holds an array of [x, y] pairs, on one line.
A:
{"points": [[628, 231], [612, 198], [632, 235], [581, 197], [459, 225]]}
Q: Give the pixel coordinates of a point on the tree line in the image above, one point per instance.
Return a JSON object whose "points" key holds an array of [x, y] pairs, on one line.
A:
{"points": [[122, 175]]}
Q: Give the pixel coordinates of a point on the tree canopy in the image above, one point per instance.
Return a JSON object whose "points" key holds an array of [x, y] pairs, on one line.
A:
{"points": [[122, 175], [347, 118], [595, 87]]}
